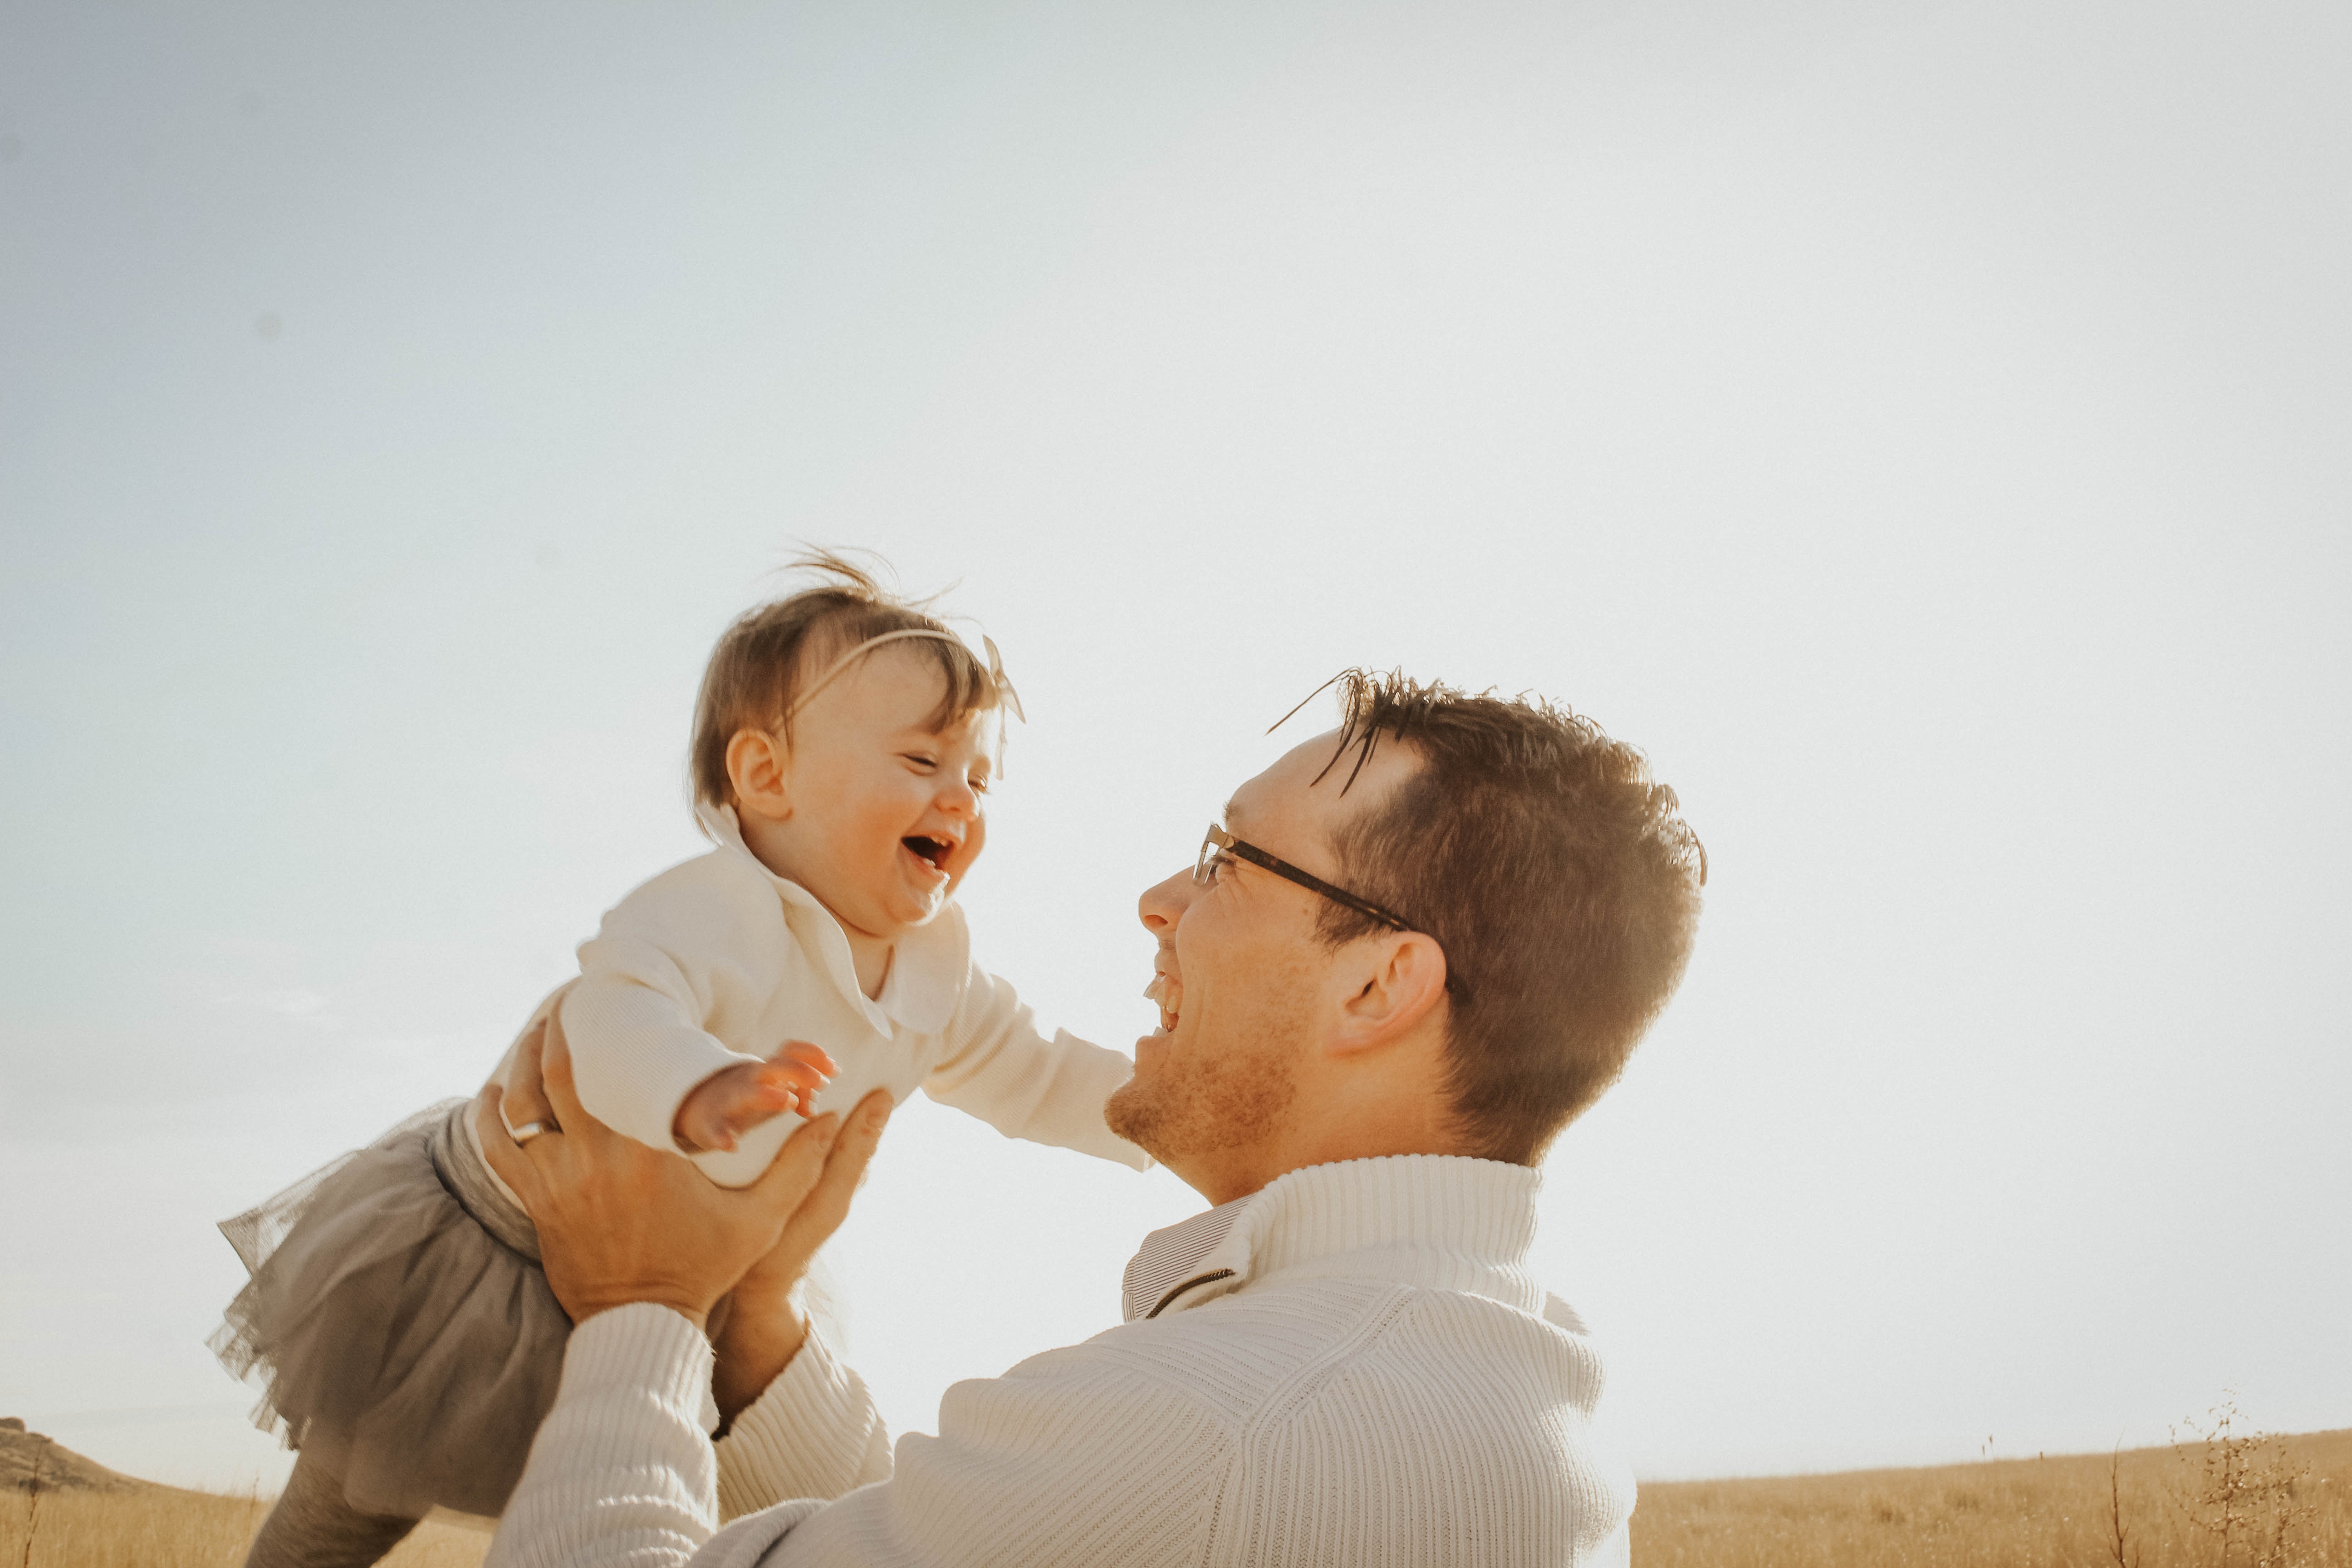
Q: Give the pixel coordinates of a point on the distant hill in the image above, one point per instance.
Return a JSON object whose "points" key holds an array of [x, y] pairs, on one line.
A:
{"points": [[25, 1455]]}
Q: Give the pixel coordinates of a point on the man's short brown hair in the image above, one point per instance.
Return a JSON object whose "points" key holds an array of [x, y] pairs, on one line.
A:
{"points": [[1557, 875], [756, 670]]}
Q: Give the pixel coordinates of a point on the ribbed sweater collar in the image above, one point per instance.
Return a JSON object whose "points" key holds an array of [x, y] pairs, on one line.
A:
{"points": [[1438, 1220]]}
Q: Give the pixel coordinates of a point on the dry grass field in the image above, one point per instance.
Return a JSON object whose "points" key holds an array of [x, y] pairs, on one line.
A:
{"points": [[2025, 1514], [83, 1515], [164, 1527], [2029, 1513]]}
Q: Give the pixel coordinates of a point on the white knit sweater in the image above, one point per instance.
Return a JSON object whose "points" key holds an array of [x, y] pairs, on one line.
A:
{"points": [[1376, 1381]]}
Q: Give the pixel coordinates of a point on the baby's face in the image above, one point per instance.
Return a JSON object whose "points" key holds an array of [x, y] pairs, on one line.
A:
{"points": [[886, 811]]}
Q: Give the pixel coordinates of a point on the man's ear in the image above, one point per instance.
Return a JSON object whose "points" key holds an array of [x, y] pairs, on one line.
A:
{"points": [[755, 767], [1405, 984]]}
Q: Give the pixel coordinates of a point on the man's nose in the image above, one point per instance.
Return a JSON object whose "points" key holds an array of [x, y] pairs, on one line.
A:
{"points": [[1164, 903]]}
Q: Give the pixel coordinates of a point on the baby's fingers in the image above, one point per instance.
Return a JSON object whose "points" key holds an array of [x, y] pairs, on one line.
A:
{"points": [[774, 1088], [729, 1104], [798, 1070], [807, 1056]]}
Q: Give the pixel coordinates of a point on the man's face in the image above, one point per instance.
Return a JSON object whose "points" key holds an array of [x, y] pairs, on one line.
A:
{"points": [[1241, 983]]}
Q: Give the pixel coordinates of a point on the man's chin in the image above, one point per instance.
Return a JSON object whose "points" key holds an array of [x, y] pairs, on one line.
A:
{"points": [[1129, 1113]]}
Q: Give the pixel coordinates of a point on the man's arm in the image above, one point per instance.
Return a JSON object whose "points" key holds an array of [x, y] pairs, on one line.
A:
{"points": [[1079, 1456], [798, 1423], [1073, 1458], [622, 1476], [638, 1249], [811, 1430], [622, 1473], [1076, 1457]]}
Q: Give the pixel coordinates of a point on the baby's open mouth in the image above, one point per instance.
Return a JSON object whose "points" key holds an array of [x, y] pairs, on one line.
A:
{"points": [[934, 851]]}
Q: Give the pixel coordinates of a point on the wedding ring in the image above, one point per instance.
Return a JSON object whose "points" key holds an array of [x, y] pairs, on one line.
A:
{"points": [[528, 1131]]}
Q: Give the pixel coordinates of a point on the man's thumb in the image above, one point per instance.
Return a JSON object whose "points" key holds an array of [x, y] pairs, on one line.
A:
{"points": [[794, 1173]]}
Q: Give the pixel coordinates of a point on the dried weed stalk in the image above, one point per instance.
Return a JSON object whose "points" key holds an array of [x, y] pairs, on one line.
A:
{"points": [[33, 1504], [2242, 1492], [2118, 1546]]}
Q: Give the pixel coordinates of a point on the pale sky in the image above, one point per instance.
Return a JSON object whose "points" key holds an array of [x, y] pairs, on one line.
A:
{"points": [[1921, 428]]}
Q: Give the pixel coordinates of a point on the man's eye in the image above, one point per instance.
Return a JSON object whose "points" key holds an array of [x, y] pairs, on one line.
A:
{"points": [[1217, 863]]}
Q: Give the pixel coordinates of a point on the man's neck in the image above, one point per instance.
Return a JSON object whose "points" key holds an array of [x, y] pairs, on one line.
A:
{"points": [[1355, 1119]]}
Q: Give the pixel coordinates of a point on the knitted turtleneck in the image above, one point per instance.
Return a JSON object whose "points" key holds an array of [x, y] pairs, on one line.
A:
{"points": [[1360, 1370]]}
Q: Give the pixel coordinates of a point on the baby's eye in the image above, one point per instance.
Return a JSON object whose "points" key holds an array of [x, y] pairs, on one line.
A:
{"points": [[920, 761], [979, 784]]}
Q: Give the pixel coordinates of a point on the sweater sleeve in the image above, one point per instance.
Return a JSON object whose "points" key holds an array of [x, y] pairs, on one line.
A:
{"points": [[813, 1433], [1001, 1070], [693, 945], [1064, 1462], [621, 1474]]}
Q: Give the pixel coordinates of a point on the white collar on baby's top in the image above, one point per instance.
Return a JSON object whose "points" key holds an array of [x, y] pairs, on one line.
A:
{"points": [[928, 967]]}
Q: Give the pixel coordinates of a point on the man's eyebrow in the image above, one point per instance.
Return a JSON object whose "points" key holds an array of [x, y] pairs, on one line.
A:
{"points": [[1226, 813]]}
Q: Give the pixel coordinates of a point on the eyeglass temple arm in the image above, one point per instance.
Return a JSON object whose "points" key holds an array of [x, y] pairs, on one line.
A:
{"points": [[1313, 883]]}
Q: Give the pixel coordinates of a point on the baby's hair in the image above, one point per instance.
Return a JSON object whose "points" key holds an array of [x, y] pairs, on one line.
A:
{"points": [[754, 677]]}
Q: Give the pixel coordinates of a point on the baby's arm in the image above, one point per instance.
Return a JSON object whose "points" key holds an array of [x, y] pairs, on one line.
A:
{"points": [[1001, 1070], [675, 968], [734, 1099]]}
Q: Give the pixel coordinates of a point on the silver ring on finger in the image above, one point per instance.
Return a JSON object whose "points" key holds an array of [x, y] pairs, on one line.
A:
{"points": [[528, 1131]]}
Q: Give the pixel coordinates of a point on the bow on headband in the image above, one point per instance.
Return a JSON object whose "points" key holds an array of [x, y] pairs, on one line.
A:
{"points": [[1007, 699]]}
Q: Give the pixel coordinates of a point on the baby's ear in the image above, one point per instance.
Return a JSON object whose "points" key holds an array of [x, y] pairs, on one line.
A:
{"points": [[755, 767]]}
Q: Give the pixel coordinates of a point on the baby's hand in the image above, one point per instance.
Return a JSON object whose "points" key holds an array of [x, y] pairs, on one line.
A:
{"points": [[732, 1102]]}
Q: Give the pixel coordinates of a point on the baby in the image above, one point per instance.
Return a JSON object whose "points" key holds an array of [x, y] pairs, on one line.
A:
{"points": [[843, 747]]}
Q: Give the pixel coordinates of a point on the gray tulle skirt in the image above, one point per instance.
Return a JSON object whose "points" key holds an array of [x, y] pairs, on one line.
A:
{"points": [[399, 1323]]}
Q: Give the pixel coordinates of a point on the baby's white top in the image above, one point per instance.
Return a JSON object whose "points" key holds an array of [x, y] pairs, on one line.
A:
{"points": [[719, 960]]}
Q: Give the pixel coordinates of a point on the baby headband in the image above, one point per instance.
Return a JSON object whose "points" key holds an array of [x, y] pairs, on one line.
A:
{"points": [[1005, 692]]}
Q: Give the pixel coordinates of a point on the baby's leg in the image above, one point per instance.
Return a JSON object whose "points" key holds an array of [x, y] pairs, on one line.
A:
{"points": [[313, 1527]]}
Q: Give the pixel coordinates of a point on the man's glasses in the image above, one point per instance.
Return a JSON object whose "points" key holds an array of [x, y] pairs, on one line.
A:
{"points": [[1220, 843]]}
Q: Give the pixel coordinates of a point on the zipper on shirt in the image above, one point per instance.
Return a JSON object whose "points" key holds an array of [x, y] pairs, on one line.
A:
{"points": [[1209, 1279]]}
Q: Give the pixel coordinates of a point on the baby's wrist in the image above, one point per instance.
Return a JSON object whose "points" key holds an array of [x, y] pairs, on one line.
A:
{"points": [[689, 1128]]}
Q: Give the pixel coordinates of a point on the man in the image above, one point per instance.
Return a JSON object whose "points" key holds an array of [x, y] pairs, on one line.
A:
{"points": [[1413, 952]]}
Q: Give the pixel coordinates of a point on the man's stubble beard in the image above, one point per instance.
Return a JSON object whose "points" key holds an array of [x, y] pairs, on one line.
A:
{"points": [[1205, 1105]]}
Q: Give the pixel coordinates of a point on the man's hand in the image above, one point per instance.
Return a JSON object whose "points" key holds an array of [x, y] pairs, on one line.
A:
{"points": [[758, 1329], [732, 1102], [620, 1223]]}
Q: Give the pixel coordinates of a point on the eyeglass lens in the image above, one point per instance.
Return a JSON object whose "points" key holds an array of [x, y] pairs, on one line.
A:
{"points": [[1202, 870]]}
